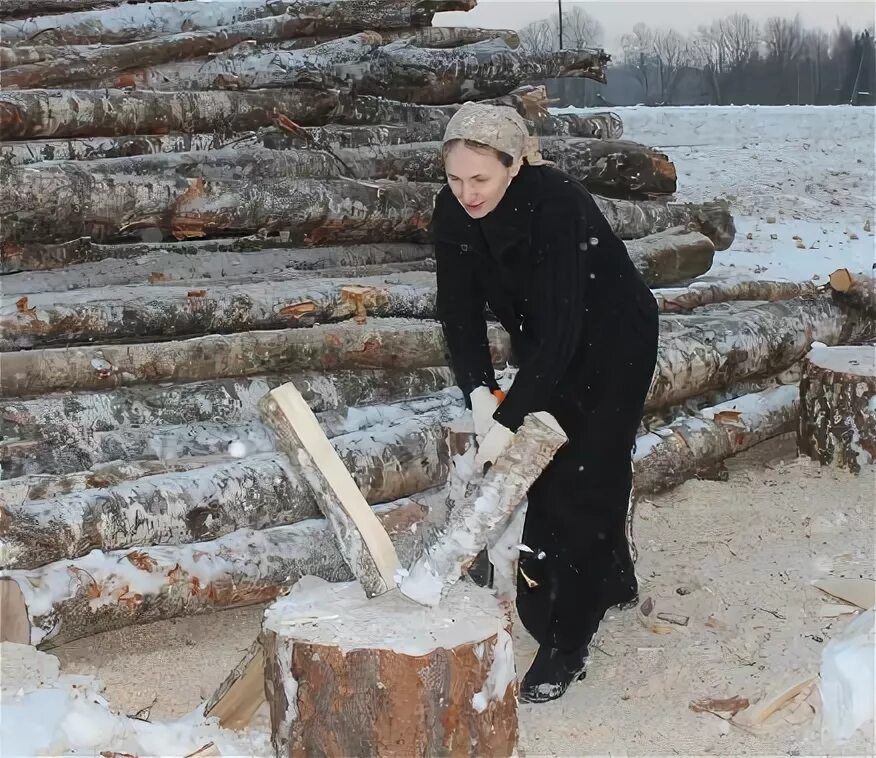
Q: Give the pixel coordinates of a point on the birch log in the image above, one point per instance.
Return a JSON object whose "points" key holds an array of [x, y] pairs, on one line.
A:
{"points": [[178, 310], [68, 600], [258, 491], [488, 505], [51, 205], [30, 114], [379, 344], [414, 683], [697, 446], [698, 294], [129, 22], [838, 406], [857, 291], [54, 418]]}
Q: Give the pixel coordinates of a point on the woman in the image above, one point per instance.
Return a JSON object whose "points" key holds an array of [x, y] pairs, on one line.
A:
{"points": [[529, 241]]}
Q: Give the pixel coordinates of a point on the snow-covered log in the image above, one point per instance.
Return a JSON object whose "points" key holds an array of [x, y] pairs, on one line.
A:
{"points": [[258, 491], [697, 446], [128, 22], [725, 343], [857, 291], [68, 600], [488, 503], [55, 419], [170, 310], [671, 256], [34, 114], [414, 681], [379, 344], [838, 406], [698, 294]]}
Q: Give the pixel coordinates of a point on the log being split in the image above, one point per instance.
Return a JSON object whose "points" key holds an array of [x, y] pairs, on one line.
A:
{"points": [[258, 491], [178, 310], [698, 445], [366, 547], [485, 510], [131, 22], [68, 600], [698, 294], [54, 418], [380, 344], [838, 406], [351, 676], [856, 291]]}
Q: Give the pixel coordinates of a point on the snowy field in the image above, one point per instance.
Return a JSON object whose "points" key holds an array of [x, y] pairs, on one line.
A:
{"points": [[788, 171]]}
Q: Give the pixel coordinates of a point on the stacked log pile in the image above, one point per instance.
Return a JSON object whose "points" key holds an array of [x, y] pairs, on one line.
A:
{"points": [[202, 201]]}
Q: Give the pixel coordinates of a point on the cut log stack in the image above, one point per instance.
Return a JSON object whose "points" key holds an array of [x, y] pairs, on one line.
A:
{"points": [[200, 202]]}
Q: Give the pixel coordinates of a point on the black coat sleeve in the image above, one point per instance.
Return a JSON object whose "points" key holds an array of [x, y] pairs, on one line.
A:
{"points": [[561, 308], [460, 304]]}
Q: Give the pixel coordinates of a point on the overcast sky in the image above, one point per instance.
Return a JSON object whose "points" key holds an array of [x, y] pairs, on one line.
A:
{"points": [[618, 16]]}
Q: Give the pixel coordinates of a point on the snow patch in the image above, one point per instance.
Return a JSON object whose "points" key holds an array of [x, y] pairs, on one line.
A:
{"points": [[502, 673]]}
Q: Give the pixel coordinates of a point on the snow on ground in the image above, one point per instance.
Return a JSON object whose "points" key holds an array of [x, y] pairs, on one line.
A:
{"points": [[786, 170]]}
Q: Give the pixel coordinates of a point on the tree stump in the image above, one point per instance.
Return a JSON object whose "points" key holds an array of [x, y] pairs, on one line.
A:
{"points": [[351, 676], [838, 406]]}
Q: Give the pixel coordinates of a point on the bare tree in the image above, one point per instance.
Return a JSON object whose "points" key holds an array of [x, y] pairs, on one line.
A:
{"points": [[580, 30], [784, 39], [739, 36], [672, 53], [638, 43], [537, 36]]}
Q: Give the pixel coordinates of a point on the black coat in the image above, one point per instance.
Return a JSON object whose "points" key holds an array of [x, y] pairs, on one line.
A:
{"points": [[560, 282]]}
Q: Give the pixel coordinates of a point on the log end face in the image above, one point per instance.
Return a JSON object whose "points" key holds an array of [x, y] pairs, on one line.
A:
{"points": [[14, 620]]}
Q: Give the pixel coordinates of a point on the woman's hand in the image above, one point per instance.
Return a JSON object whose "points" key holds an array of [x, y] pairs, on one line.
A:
{"points": [[483, 406], [493, 444]]}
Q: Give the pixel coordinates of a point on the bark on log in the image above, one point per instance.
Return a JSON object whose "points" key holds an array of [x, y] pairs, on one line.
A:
{"points": [[51, 205], [856, 291], [259, 491], [380, 678], [701, 293], [726, 343], [379, 344], [484, 510], [161, 311], [691, 447], [54, 418], [130, 22], [838, 406], [671, 256], [32, 114], [68, 600]]}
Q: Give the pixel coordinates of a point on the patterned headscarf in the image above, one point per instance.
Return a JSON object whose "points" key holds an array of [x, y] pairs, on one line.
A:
{"points": [[496, 126]]}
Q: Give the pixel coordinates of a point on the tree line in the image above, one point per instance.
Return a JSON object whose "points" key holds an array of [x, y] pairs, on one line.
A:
{"points": [[740, 61]]}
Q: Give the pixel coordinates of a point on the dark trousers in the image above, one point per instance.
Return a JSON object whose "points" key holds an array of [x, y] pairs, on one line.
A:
{"points": [[576, 521]]}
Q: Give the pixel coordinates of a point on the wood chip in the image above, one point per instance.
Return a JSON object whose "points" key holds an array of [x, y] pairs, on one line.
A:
{"points": [[674, 618], [731, 705], [859, 592], [757, 714]]}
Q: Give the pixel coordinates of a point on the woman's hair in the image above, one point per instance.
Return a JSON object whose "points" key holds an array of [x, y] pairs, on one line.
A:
{"points": [[506, 160]]}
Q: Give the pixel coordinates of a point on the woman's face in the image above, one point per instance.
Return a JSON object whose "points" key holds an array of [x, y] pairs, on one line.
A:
{"points": [[477, 178]]}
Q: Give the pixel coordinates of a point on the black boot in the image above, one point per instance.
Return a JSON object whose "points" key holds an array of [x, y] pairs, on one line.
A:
{"points": [[551, 673]]}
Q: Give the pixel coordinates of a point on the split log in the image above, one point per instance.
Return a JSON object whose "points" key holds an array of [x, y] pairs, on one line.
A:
{"points": [[68, 600], [698, 294], [51, 205], [54, 418], [698, 445], [484, 510], [725, 343], [258, 491], [30, 114], [346, 675], [364, 544], [857, 291], [838, 406], [130, 22], [671, 256], [161, 311], [379, 344]]}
